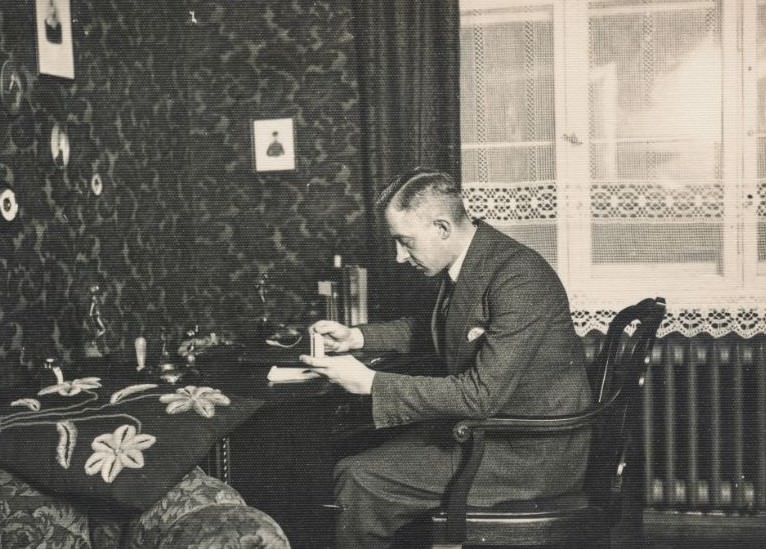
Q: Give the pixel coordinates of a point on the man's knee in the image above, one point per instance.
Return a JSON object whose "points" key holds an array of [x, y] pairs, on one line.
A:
{"points": [[351, 474]]}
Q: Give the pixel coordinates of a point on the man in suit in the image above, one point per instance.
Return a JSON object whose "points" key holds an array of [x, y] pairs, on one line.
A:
{"points": [[503, 328]]}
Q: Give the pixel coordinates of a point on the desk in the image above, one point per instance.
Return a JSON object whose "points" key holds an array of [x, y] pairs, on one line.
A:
{"points": [[281, 459], [313, 405]]}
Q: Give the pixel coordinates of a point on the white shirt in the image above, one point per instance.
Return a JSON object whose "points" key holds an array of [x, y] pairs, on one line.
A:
{"points": [[454, 269]]}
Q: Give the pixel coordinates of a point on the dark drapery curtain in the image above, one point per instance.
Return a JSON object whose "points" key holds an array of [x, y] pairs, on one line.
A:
{"points": [[409, 82]]}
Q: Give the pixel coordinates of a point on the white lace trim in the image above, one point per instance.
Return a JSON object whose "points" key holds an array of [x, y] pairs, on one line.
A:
{"points": [[627, 201], [744, 321], [505, 202], [650, 201]]}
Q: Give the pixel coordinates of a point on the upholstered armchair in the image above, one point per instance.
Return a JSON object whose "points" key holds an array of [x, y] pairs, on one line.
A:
{"points": [[199, 512]]}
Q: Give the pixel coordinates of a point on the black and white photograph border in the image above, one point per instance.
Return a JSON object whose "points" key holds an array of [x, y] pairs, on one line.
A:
{"points": [[273, 145], [55, 54]]}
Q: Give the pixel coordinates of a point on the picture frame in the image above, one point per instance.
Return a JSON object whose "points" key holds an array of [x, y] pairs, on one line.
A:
{"points": [[12, 87], [273, 145], [60, 146], [55, 54]]}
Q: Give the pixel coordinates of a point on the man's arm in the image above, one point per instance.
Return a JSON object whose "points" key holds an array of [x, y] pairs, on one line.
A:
{"points": [[527, 310], [399, 335], [396, 335]]}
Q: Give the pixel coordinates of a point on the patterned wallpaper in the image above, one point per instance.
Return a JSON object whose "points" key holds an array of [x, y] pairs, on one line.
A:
{"points": [[160, 108], [269, 60]]}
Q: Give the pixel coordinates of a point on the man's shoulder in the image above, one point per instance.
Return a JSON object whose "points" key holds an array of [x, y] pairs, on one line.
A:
{"points": [[503, 248], [506, 260]]}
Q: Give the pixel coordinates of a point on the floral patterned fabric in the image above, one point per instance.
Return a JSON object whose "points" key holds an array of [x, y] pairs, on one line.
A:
{"points": [[31, 519], [123, 443], [225, 527], [199, 512]]}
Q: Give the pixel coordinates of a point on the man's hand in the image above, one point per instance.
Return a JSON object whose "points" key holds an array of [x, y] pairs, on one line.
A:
{"points": [[337, 337], [344, 370]]}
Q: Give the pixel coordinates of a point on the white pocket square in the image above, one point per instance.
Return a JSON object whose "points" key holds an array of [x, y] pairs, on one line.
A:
{"points": [[475, 333]]}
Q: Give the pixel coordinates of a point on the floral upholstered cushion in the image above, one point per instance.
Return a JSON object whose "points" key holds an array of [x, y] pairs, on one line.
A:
{"points": [[196, 491], [29, 518], [123, 444], [200, 511], [225, 527]]}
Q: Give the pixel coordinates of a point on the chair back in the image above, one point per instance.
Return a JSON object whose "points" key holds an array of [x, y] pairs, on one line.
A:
{"points": [[618, 376]]}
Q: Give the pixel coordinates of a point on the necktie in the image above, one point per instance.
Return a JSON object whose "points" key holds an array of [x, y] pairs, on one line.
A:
{"points": [[449, 286], [441, 325]]}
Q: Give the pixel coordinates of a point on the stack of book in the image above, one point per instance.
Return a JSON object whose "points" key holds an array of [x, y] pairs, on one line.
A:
{"points": [[345, 295]]}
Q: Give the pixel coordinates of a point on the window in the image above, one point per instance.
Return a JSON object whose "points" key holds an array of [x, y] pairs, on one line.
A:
{"points": [[625, 140]]}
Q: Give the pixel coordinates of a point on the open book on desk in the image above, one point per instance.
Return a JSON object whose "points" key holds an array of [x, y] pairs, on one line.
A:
{"points": [[289, 374], [291, 358], [289, 368]]}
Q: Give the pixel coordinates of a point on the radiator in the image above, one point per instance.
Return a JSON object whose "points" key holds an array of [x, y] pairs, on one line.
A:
{"points": [[704, 420]]}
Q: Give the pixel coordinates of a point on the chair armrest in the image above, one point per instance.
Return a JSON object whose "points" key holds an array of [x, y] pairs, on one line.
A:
{"points": [[474, 431], [463, 430]]}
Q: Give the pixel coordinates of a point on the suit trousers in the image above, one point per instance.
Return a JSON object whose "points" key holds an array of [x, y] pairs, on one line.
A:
{"points": [[384, 488]]}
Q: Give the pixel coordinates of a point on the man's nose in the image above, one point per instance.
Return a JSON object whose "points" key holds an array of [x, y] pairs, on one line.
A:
{"points": [[402, 255]]}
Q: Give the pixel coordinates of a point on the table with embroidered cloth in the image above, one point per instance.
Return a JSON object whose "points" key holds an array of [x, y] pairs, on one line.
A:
{"points": [[120, 441]]}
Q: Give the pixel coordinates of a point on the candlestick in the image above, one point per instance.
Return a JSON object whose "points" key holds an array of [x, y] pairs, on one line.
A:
{"points": [[140, 345]]}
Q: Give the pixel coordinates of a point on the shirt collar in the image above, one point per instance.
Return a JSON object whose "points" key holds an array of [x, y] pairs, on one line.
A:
{"points": [[454, 269]]}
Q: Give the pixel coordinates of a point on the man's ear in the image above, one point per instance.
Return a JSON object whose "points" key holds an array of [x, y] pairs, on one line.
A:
{"points": [[444, 227]]}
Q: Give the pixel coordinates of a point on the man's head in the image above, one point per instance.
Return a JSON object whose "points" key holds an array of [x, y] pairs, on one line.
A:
{"points": [[426, 218]]}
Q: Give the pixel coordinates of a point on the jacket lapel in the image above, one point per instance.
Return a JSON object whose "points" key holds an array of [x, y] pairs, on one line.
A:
{"points": [[470, 285]]}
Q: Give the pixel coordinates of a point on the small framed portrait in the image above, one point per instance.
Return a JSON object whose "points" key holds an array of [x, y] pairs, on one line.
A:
{"points": [[60, 146], [55, 55], [273, 145], [12, 86]]}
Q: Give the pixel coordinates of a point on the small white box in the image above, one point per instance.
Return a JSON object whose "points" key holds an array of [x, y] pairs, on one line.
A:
{"points": [[317, 345], [324, 287]]}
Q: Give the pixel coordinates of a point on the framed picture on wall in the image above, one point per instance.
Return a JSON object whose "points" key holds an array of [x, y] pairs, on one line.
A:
{"points": [[55, 55], [273, 145]]}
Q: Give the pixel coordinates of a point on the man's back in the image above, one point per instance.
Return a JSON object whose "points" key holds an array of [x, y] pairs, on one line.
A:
{"points": [[511, 350]]}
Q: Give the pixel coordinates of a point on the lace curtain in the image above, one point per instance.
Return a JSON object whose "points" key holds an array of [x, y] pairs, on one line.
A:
{"points": [[605, 134]]}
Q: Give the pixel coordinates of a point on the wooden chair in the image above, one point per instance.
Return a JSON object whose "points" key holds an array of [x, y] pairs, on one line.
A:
{"points": [[581, 519]]}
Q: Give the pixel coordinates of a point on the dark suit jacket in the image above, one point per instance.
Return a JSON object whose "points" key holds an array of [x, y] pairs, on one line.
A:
{"points": [[511, 349]]}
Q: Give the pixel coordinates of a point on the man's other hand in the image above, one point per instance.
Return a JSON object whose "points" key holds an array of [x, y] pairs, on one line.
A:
{"points": [[344, 370], [337, 337]]}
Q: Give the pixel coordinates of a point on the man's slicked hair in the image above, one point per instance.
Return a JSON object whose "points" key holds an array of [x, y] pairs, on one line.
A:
{"points": [[408, 191]]}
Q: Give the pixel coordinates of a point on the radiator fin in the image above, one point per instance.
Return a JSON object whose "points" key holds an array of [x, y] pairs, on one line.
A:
{"points": [[704, 423]]}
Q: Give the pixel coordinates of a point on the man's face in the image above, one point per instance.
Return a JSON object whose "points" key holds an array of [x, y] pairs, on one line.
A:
{"points": [[419, 240]]}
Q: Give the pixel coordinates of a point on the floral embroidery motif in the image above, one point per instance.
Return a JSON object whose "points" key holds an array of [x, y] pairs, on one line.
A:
{"points": [[31, 403], [202, 399], [67, 440], [112, 452], [71, 388], [117, 396]]}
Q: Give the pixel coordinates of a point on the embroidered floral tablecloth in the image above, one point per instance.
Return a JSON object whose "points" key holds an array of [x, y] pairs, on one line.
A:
{"points": [[124, 443]]}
